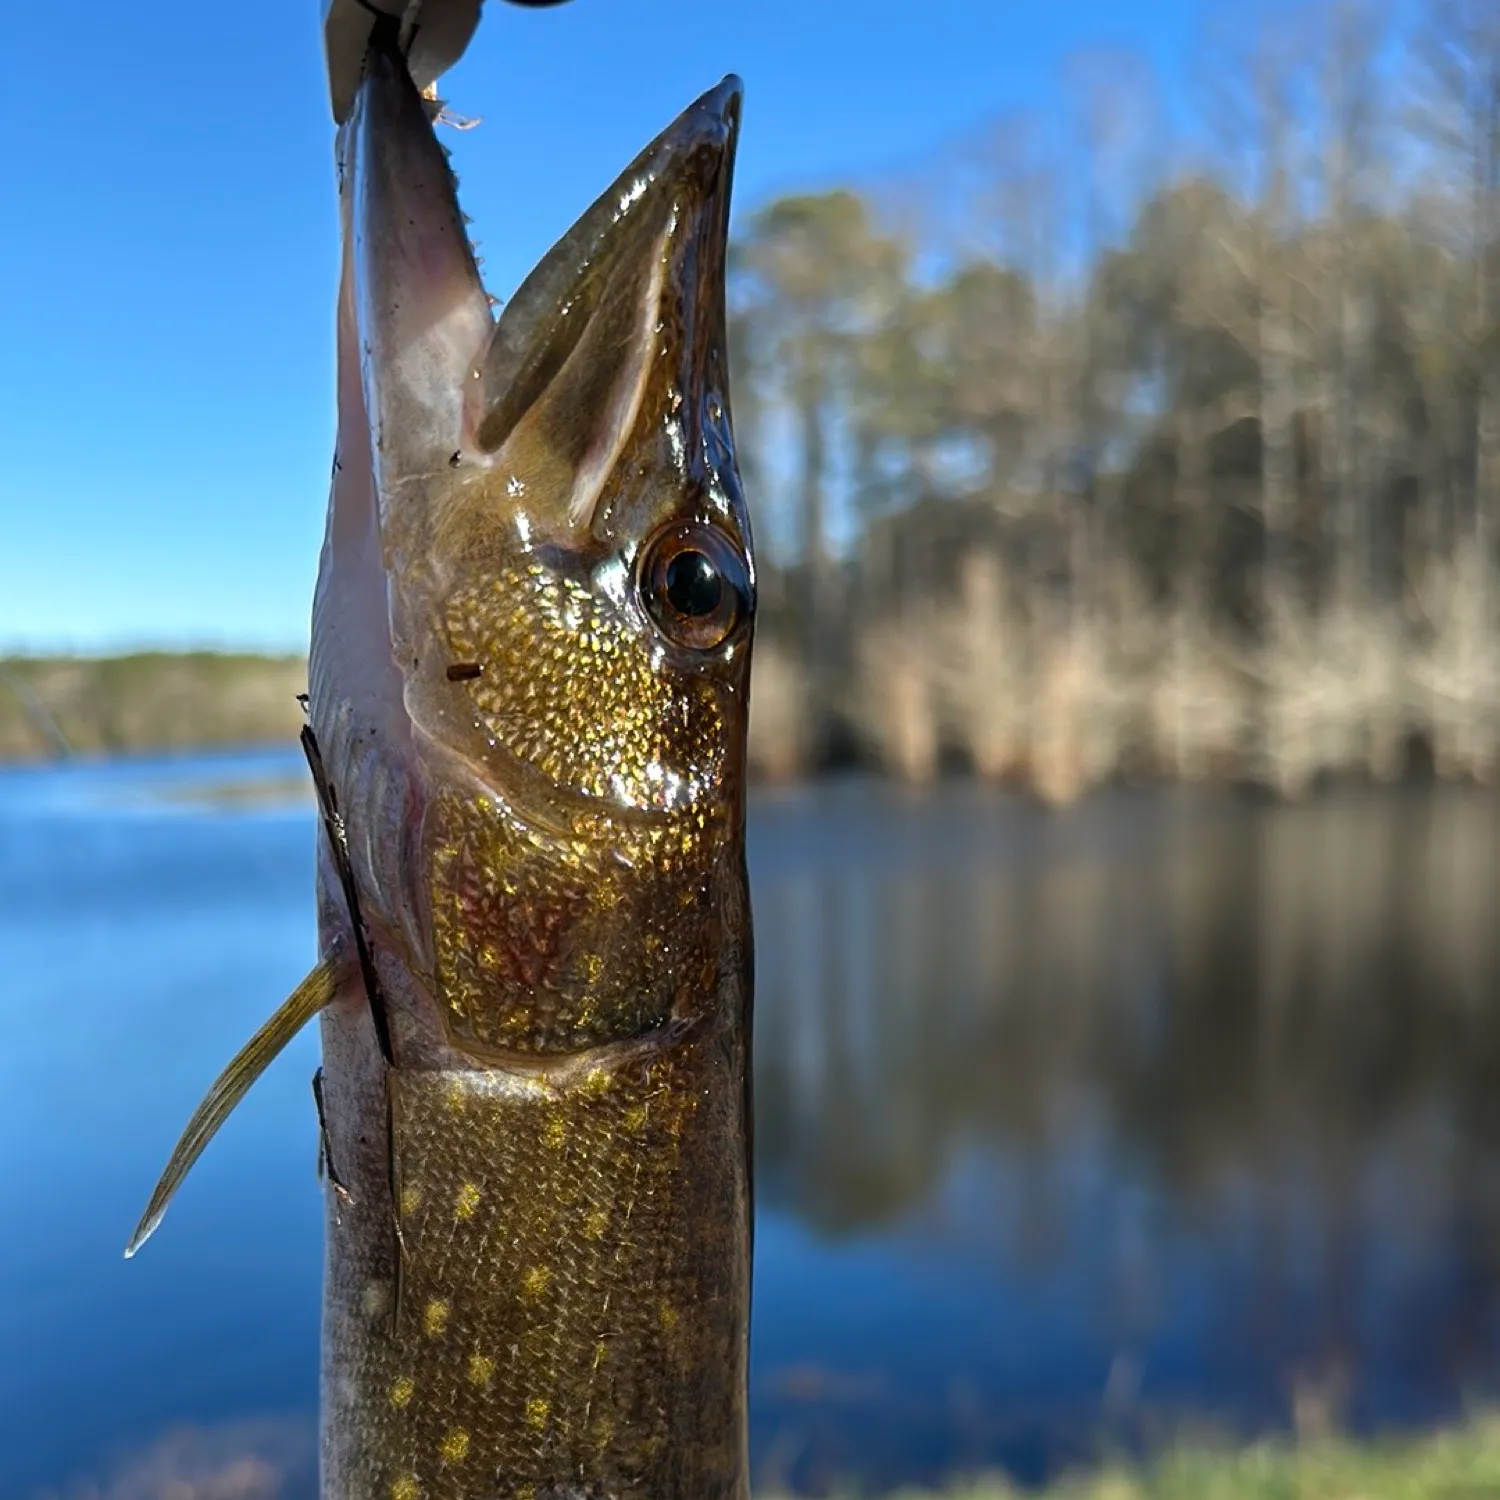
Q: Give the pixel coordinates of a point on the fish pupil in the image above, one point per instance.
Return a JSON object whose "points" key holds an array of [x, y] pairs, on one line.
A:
{"points": [[694, 586]]}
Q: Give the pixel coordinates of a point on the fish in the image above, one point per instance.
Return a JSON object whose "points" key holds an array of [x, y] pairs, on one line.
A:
{"points": [[526, 715]]}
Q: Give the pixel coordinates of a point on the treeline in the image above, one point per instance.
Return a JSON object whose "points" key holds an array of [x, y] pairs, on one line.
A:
{"points": [[1091, 450], [52, 707], [1213, 988], [1182, 1030], [1100, 447]]}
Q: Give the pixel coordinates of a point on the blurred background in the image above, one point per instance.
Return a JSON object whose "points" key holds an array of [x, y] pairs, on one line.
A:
{"points": [[1118, 396]]}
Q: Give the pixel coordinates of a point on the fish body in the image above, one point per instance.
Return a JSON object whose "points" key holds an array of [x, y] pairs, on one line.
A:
{"points": [[527, 705]]}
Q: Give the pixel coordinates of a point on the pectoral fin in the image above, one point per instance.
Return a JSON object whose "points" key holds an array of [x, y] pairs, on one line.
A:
{"points": [[233, 1083]]}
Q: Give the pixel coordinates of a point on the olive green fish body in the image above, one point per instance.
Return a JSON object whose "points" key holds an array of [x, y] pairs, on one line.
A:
{"points": [[564, 1312], [528, 686], [538, 1244]]}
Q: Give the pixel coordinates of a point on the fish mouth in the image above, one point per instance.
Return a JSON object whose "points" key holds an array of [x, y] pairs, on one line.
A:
{"points": [[630, 298], [621, 323], [667, 212]]}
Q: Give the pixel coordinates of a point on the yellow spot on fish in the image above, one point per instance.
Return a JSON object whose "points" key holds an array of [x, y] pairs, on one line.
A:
{"points": [[595, 1225], [592, 966], [402, 1390], [668, 1315], [375, 1298], [435, 1317], [411, 1200], [536, 1281], [481, 1369], [455, 1098], [406, 1487], [635, 1119], [526, 1492], [538, 1409], [596, 1083], [466, 1202], [455, 1447], [556, 1133]]}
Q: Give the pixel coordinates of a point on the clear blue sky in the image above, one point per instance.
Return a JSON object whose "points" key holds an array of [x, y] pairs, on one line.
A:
{"points": [[167, 244]]}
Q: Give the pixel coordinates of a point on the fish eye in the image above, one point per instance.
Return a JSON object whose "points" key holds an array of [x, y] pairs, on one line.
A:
{"points": [[695, 585]]}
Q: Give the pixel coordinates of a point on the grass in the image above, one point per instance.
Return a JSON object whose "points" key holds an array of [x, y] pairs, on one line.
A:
{"points": [[272, 1460], [1461, 1464]]}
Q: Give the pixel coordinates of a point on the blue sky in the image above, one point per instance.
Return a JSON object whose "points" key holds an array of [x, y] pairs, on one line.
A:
{"points": [[169, 244]]}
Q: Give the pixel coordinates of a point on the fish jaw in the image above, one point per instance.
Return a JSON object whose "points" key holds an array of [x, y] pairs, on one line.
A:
{"points": [[423, 314]]}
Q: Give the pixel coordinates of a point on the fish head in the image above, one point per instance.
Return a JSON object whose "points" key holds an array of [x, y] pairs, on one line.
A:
{"points": [[589, 576], [568, 580]]}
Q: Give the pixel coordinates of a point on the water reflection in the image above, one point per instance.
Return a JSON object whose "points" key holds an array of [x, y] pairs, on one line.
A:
{"points": [[268, 1459], [1187, 1107], [1072, 1128]]}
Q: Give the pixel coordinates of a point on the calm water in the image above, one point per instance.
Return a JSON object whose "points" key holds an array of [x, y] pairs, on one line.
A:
{"points": [[1163, 1112]]}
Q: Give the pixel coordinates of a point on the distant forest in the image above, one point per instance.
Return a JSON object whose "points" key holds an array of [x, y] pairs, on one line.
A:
{"points": [[1100, 448], [60, 706], [1100, 445]]}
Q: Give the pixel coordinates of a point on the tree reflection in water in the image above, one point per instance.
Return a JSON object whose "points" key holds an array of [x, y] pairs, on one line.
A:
{"points": [[1169, 1109]]}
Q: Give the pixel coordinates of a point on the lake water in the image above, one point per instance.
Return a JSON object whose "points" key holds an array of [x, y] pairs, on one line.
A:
{"points": [[1167, 1112]]}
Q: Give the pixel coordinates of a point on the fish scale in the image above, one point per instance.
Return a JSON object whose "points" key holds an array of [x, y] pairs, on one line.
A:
{"points": [[574, 1238]]}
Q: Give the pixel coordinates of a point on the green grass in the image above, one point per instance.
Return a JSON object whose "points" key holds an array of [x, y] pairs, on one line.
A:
{"points": [[1463, 1464]]}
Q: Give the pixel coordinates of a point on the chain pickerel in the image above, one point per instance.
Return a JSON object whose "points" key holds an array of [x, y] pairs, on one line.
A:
{"points": [[526, 721]]}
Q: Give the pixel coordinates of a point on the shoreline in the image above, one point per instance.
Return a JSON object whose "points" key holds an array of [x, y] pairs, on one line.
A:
{"points": [[57, 709]]}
